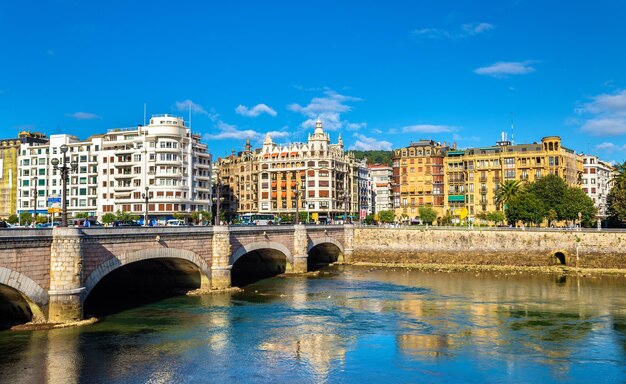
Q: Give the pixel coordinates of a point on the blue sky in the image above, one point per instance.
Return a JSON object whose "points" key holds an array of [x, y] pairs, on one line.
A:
{"points": [[381, 74]]}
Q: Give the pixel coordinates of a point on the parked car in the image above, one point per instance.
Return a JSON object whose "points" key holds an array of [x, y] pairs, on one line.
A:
{"points": [[126, 223], [176, 223]]}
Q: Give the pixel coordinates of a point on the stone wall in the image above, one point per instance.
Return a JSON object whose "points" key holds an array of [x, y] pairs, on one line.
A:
{"points": [[490, 247]]}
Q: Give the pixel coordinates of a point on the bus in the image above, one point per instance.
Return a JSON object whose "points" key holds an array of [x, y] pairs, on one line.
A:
{"points": [[257, 219]]}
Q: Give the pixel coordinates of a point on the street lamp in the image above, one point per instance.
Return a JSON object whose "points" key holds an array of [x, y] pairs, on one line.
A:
{"points": [[217, 200], [35, 201], [345, 200], [298, 192], [146, 197], [63, 167]]}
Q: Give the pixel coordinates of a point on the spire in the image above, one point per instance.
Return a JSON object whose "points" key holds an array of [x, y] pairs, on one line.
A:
{"points": [[268, 139], [318, 127], [340, 141], [248, 146]]}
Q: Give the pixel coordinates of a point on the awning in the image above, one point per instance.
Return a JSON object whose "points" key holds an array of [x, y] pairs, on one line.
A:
{"points": [[456, 198], [294, 153]]}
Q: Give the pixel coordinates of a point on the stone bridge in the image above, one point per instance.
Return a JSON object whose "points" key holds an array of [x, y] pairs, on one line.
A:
{"points": [[49, 275]]}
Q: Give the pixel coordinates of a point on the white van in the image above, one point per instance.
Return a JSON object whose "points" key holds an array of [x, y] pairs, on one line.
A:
{"points": [[175, 223]]}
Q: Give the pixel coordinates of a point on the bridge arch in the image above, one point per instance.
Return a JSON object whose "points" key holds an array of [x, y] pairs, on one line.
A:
{"points": [[147, 254], [259, 246], [322, 252], [30, 293], [259, 260]]}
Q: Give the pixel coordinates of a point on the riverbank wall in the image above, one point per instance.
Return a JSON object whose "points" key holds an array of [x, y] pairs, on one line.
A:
{"points": [[530, 248]]}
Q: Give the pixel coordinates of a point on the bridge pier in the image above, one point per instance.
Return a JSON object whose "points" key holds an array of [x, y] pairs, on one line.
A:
{"points": [[220, 260], [348, 243], [300, 255], [66, 267]]}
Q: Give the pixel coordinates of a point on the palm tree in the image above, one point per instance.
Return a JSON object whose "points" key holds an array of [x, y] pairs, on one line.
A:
{"points": [[507, 191], [619, 176]]}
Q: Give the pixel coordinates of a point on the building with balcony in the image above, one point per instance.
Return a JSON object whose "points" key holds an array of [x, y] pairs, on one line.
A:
{"points": [[9, 153], [321, 170], [596, 182], [37, 173], [474, 175], [115, 170], [382, 191], [164, 159], [418, 173]]}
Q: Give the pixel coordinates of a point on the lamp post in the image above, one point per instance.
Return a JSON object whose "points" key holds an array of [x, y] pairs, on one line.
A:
{"points": [[297, 193], [146, 197], [345, 200], [63, 167], [35, 179], [217, 200]]}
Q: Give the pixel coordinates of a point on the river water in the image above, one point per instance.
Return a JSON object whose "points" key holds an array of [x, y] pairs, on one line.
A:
{"points": [[348, 325]]}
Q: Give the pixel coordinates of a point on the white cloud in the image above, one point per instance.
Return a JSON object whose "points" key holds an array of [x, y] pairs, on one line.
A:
{"points": [[427, 128], [609, 147], [83, 116], [255, 111], [605, 126], [609, 104], [606, 115], [458, 137], [364, 143], [230, 131], [465, 30], [505, 68], [185, 105], [328, 109]]}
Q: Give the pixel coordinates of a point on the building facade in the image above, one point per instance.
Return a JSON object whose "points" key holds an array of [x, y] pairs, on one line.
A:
{"points": [[382, 191], [9, 153], [116, 170], [419, 174], [320, 170], [474, 175], [597, 182]]}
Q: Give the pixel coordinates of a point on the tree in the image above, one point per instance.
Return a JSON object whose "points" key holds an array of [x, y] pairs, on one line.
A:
{"points": [[508, 190], [13, 219], [495, 216], [615, 204], [526, 208], [26, 218], [551, 216], [386, 216], [551, 190], [576, 201], [180, 215], [619, 179], [428, 215], [125, 216], [108, 218], [81, 215], [369, 219]]}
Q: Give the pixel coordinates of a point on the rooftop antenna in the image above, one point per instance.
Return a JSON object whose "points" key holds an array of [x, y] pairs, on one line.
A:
{"points": [[512, 131], [144, 114]]}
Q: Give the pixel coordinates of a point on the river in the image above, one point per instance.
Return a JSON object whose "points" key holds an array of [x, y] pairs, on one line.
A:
{"points": [[348, 325]]}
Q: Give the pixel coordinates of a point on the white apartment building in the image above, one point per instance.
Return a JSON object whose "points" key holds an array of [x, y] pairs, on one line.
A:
{"points": [[596, 181], [365, 189], [115, 170], [35, 168], [382, 192]]}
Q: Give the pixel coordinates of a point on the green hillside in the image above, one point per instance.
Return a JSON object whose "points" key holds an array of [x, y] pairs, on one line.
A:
{"points": [[374, 157]]}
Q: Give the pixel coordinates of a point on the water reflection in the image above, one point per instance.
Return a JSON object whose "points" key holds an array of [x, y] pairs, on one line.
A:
{"points": [[348, 325]]}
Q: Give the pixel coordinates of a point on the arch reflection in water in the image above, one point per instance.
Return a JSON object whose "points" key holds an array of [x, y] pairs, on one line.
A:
{"points": [[140, 283]]}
